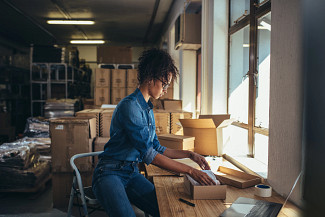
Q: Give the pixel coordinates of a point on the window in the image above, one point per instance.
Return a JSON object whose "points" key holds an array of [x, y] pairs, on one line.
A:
{"points": [[249, 78]]}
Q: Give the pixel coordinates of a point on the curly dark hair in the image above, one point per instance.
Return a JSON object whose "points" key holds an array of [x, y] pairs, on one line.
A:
{"points": [[156, 64]]}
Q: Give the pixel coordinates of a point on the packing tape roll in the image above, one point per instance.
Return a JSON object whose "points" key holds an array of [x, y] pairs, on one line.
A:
{"points": [[263, 190]]}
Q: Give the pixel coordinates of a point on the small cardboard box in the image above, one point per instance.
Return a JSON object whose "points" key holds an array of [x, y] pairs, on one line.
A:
{"points": [[132, 78], [118, 93], [207, 133], [99, 144], [236, 178], [157, 104], [102, 77], [172, 104], [175, 125], [102, 95], [70, 136], [205, 192], [177, 142], [162, 121], [105, 122], [118, 78]]}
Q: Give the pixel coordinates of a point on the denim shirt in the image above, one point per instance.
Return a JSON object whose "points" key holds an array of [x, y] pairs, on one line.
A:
{"points": [[133, 135]]}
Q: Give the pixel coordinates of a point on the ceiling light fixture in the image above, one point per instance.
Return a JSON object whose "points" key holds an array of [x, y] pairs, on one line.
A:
{"points": [[245, 45], [71, 22], [87, 41]]}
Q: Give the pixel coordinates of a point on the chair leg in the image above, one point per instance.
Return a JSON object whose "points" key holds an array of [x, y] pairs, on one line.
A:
{"points": [[72, 194]]}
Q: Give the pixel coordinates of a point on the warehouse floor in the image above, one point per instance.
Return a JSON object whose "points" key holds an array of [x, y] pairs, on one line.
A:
{"points": [[37, 205]]}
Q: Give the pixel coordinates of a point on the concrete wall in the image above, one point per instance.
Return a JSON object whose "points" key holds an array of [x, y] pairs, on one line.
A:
{"points": [[286, 98]]}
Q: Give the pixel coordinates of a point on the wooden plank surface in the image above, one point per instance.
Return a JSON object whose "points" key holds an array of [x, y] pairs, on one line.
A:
{"points": [[170, 188]]}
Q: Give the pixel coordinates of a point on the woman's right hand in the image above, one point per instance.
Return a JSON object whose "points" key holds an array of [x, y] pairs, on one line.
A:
{"points": [[201, 177]]}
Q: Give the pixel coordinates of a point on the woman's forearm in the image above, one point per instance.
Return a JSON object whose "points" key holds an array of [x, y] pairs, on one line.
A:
{"points": [[177, 154], [169, 164]]}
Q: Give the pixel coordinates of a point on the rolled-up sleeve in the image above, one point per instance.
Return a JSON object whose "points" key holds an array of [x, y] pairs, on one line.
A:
{"points": [[156, 145], [137, 131], [150, 155]]}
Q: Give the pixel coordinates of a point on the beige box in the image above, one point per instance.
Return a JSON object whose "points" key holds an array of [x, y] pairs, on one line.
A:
{"points": [[99, 144], [114, 54], [157, 104], [205, 192], [177, 142], [117, 95], [175, 125], [207, 133], [132, 78], [70, 136], [172, 104], [162, 121], [91, 113], [236, 178], [118, 78], [102, 77], [130, 90], [102, 95], [105, 122]]}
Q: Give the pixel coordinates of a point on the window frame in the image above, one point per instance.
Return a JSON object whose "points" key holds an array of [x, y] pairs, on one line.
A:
{"points": [[251, 19]]}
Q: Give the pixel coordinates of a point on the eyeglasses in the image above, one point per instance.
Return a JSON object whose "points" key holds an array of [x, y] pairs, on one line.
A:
{"points": [[164, 84]]}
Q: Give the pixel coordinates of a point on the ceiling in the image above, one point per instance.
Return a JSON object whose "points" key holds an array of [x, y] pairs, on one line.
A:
{"points": [[119, 22]]}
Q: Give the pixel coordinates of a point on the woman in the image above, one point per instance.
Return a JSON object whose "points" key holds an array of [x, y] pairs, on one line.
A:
{"points": [[116, 180]]}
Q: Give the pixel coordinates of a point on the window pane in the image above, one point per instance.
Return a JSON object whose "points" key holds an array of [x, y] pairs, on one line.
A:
{"points": [[234, 141], [237, 9], [263, 67], [238, 82]]}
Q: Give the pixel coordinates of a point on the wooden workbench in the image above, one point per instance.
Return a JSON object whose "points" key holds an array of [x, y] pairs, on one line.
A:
{"points": [[170, 188]]}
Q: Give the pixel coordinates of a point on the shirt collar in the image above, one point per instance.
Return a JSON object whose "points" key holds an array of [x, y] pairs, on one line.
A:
{"points": [[142, 101]]}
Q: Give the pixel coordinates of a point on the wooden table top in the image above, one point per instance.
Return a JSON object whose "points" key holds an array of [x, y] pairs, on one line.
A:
{"points": [[170, 188]]}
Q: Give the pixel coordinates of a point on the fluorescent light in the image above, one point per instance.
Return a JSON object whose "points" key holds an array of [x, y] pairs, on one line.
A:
{"points": [[71, 22], [266, 25], [245, 45], [87, 41]]}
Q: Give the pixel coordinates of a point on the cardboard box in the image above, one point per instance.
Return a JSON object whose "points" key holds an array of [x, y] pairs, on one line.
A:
{"points": [[99, 144], [114, 54], [70, 136], [105, 122], [91, 113], [175, 125], [162, 121], [5, 120], [102, 95], [207, 133], [117, 95], [172, 104], [130, 90], [236, 178], [118, 78], [204, 192], [177, 142], [102, 77], [61, 185], [132, 78]]}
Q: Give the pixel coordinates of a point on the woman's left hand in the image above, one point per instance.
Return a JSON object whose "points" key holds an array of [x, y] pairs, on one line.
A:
{"points": [[200, 160]]}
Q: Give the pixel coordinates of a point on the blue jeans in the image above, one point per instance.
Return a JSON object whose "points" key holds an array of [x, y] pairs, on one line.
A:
{"points": [[117, 183]]}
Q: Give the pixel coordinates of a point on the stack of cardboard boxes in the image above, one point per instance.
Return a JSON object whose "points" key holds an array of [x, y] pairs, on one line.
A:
{"points": [[118, 85], [102, 86], [70, 136]]}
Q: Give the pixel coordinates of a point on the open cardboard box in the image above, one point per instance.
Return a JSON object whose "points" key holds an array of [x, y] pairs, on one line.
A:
{"points": [[205, 192], [236, 178], [207, 132]]}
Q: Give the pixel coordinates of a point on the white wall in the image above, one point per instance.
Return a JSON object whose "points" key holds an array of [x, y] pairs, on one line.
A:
{"points": [[214, 56], [286, 98]]}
